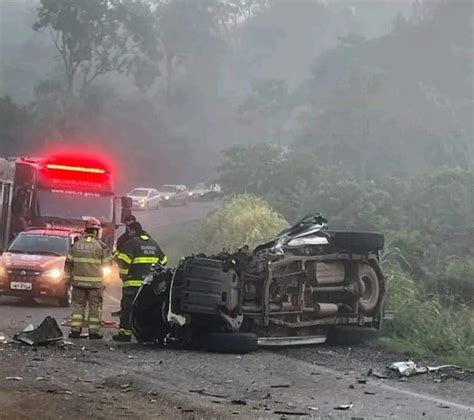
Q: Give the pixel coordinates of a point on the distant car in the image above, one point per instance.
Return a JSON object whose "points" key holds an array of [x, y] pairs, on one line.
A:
{"points": [[205, 192], [32, 266], [172, 195], [145, 198]]}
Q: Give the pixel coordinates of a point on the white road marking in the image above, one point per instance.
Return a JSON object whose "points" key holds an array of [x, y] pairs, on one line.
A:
{"points": [[395, 389], [426, 397]]}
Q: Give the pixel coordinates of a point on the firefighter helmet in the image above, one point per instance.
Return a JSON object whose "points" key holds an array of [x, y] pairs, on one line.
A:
{"points": [[93, 223]]}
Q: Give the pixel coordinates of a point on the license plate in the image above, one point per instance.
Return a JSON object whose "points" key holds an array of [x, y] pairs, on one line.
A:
{"points": [[17, 285]]}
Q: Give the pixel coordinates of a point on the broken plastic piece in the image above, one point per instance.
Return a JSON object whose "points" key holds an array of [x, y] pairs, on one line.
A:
{"points": [[344, 407], [47, 332]]}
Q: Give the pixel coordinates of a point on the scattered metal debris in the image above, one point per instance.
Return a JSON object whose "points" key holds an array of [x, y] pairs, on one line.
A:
{"points": [[208, 393], [238, 402], [280, 386], [47, 332], [290, 413], [369, 393], [377, 374], [344, 407], [3, 338], [14, 378]]}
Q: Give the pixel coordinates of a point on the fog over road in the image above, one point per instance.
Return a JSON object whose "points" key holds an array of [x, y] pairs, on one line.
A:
{"points": [[106, 380]]}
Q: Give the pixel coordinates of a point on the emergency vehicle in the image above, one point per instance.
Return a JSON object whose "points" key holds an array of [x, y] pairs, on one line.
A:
{"points": [[61, 190]]}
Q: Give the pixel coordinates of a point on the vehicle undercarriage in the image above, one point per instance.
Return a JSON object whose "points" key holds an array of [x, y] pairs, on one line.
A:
{"points": [[305, 284]]}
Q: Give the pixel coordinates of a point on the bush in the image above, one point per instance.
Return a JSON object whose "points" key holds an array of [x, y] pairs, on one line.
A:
{"points": [[422, 326], [244, 220]]}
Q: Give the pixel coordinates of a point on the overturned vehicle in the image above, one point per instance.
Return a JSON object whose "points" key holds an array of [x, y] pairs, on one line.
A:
{"points": [[306, 286]]}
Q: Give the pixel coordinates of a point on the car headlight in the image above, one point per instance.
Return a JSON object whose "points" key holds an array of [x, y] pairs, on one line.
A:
{"points": [[190, 193], [106, 271], [54, 274], [167, 197]]}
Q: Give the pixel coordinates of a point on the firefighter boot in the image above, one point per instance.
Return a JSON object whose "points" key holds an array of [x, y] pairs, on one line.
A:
{"points": [[74, 334]]}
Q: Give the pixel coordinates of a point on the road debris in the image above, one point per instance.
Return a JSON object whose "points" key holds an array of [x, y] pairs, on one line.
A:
{"points": [[377, 374], [290, 413], [14, 378], [3, 338], [47, 332], [238, 402], [344, 407], [369, 393], [409, 368], [208, 393], [280, 386]]}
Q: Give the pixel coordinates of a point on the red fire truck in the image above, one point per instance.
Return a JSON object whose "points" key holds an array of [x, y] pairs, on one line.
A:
{"points": [[60, 190]]}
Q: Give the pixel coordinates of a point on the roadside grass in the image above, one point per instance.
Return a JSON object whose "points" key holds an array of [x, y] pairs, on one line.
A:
{"points": [[423, 327]]}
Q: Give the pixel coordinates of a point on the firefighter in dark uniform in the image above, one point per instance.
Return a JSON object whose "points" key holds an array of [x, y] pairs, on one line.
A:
{"points": [[84, 270], [136, 257], [122, 240], [124, 237]]}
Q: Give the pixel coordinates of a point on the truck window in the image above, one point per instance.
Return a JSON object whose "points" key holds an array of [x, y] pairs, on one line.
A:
{"points": [[74, 205]]}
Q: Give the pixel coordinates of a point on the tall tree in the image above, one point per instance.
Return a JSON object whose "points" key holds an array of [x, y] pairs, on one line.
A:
{"points": [[95, 37]]}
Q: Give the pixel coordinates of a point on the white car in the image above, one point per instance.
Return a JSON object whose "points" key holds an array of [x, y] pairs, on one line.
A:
{"points": [[145, 198]]}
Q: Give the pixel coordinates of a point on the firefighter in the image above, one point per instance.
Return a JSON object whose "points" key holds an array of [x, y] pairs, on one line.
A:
{"points": [[84, 270], [122, 239], [139, 253]]}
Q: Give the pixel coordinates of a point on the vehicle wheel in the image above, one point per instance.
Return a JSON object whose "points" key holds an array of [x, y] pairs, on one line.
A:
{"points": [[370, 289], [358, 241], [230, 342], [349, 335], [66, 301]]}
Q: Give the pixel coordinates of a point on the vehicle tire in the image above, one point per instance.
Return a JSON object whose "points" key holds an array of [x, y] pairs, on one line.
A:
{"points": [[358, 241], [66, 300], [230, 342], [370, 293], [350, 335]]}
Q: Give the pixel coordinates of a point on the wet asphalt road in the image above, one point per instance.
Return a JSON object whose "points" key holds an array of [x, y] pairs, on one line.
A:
{"points": [[311, 380], [14, 313]]}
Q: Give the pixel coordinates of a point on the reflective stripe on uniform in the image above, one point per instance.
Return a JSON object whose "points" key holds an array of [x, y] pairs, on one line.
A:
{"points": [[124, 257], [145, 260], [125, 331], [132, 283], [164, 260], [69, 257], [89, 239], [76, 316], [123, 271], [108, 259], [87, 260], [91, 279]]}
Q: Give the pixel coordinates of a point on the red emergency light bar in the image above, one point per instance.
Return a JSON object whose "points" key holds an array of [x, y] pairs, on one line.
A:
{"points": [[75, 168]]}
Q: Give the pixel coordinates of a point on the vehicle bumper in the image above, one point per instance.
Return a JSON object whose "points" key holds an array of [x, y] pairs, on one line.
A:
{"points": [[38, 289]]}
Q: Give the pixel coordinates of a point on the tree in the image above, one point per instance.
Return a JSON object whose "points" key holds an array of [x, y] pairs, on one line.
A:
{"points": [[96, 37], [249, 168], [245, 220]]}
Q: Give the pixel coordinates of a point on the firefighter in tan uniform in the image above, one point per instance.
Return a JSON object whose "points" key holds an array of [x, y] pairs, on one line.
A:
{"points": [[84, 270]]}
